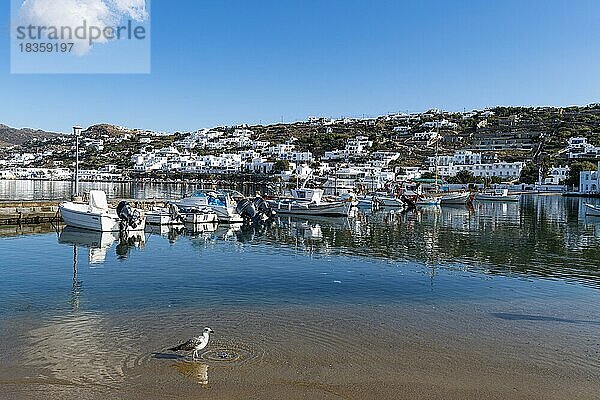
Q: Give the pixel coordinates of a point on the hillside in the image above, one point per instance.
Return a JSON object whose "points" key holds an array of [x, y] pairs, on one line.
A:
{"points": [[15, 136]]}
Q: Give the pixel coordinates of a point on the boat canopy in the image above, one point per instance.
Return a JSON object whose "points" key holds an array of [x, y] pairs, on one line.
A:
{"points": [[98, 200]]}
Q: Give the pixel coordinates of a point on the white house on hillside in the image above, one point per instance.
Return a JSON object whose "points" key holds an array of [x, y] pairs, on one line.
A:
{"points": [[579, 147], [589, 181]]}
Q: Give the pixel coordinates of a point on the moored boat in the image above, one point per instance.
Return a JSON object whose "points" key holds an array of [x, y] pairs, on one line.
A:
{"points": [[388, 201], [219, 202], [428, 201], [96, 215], [497, 195], [592, 210], [457, 198], [169, 215], [309, 202]]}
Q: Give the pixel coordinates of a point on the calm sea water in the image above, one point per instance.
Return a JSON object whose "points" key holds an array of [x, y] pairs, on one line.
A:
{"points": [[62, 190], [498, 301]]}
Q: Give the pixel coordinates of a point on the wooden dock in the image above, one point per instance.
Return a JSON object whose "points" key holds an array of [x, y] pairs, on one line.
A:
{"points": [[37, 212], [28, 212]]}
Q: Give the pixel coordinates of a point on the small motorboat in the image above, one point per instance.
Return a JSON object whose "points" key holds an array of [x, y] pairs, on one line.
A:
{"points": [[96, 215], [169, 215], [592, 210], [174, 215], [219, 202], [309, 202], [457, 198], [428, 201], [388, 201], [365, 201], [497, 195], [199, 215]]}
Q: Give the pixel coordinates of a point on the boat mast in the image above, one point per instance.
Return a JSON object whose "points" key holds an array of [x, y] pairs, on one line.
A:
{"points": [[437, 141], [76, 132]]}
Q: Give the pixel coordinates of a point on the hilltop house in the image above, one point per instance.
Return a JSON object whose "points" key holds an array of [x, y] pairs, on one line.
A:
{"points": [[579, 147]]}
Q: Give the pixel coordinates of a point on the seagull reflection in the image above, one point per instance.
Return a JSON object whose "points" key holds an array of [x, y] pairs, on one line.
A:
{"points": [[198, 372]]}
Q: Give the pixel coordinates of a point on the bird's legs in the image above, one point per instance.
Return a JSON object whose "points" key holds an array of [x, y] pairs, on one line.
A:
{"points": [[194, 354]]}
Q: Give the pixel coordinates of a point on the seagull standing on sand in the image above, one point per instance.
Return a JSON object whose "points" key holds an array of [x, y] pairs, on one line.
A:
{"points": [[195, 344]]}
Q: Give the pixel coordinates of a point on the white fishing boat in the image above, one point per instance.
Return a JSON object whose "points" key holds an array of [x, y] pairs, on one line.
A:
{"points": [[428, 201], [388, 201], [169, 215], [498, 195], [309, 202], [365, 201], [456, 198], [201, 216], [592, 210], [219, 202], [96, 215], [172, 215]]}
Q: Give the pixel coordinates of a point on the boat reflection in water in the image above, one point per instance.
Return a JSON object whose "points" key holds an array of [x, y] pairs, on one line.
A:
{"points": [[97, 243]]}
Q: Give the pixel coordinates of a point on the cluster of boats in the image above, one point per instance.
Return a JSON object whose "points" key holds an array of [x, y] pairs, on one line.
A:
{"points": [[201, 207], [411, 199], [230, 207]]}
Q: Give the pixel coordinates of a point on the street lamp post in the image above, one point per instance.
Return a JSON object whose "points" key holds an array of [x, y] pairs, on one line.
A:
{"points": [[77, 133]]}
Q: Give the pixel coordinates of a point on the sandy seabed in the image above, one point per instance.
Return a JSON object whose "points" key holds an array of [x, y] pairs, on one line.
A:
{"points": [[329, 352]]}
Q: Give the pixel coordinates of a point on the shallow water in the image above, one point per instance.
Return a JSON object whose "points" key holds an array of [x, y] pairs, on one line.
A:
{"points": [[498, 301]]}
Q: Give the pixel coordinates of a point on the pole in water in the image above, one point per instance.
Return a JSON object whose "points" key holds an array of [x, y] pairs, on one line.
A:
{"points": [[77, 133]]}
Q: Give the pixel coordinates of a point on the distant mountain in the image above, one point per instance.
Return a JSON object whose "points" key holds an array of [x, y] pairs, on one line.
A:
{"points": [[15, 136]]}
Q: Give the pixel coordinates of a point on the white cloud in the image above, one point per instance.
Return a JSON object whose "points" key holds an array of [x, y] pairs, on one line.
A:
{"points": [[72, 13], [135, 9]]}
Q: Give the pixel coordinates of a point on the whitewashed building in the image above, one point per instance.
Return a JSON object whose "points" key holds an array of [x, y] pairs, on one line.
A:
{"points": [[465, 160], [578, 147], [556, 175], [589, 181]]}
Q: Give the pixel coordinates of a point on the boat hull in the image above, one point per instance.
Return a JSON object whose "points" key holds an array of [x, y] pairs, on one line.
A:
{"points": [[592, 210], [388, 202], [79, 216], [161, 218], [454, 198], [201, 218], [100, 222], [335, 209], [428, 202], [225, 214], [491, 197]]}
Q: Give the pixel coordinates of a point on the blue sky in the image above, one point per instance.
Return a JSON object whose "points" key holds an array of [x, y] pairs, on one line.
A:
{"points": [[225, 62]]}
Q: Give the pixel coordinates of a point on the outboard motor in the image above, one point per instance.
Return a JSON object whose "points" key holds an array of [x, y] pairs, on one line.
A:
{"points": [[263, 207], [246, 209], [174, 213], [128, 214]]}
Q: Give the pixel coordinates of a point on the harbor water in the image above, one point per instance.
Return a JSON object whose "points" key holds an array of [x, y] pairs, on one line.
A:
{"points": [[496, 301]]}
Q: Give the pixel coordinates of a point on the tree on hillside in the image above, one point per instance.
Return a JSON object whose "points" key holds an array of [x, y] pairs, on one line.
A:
{"points": [[464, 177], [576, 169], [530, 174], [281, 166]]}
